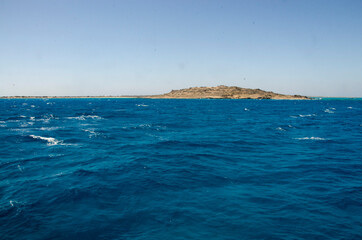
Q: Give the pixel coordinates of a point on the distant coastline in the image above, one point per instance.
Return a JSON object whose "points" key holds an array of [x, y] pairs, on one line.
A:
{"points": [[219, 92]]}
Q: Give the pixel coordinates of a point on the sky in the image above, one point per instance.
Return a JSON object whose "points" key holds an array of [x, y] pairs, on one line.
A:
{"points": [[85, 47]]}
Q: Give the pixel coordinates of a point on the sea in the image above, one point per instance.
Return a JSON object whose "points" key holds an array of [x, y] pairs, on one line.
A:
{"points": [[108, 168]]}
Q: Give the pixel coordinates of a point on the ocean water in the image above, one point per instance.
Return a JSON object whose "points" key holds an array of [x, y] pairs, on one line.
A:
{"points": [[180, 169]]}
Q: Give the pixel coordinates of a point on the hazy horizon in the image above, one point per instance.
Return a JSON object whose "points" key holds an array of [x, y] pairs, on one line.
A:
{"points": [[97, 48]]}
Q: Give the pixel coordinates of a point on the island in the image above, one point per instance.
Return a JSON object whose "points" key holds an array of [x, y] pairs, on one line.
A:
{"points": [[219, 92], [225, 92]]}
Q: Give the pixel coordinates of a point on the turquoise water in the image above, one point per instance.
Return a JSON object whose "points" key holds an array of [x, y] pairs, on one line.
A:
{"points": [[180, 169]]}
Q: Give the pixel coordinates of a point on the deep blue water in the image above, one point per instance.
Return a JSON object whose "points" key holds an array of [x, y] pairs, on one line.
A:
{"points": [[180, 169]]}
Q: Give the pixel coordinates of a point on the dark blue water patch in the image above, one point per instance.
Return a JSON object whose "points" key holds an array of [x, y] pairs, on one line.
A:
{"points": [[180, 169]]}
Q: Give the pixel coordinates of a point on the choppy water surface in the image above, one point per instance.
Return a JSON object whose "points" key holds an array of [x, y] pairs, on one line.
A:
{"points": [[180, 169]]}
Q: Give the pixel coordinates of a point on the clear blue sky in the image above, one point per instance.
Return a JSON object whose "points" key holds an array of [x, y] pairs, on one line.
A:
{"points": [[147, 47]]}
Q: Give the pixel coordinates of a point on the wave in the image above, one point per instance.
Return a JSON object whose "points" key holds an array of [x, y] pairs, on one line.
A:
{"points": [[26, 124], [306, 115], [329, 110], [92, 132], [312, 138], [49, 128], [51, 141], [141, 105], [47, 118], [303, 115], [280, 129], [20, 168], [145, 126], [84, 117]]}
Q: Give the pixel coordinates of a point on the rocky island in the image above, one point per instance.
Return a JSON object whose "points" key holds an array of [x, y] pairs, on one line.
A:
{"points": [[225, 92], [219, 92]]}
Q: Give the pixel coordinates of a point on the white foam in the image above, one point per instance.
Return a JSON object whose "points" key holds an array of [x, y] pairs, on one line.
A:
{"points": [[26, 124], [349, 107], [20, 168], [2, 122], [83, 117], [93, 117], [328, 110], [33, 106], [246, 109], [280, 129], [32, 118], [311, 138], [51, 141], [306, 115], [12, 121], [49, 128], [47, 118], [57, 174], [19, 129], [303, 115], [141, 105], [91, 132]]}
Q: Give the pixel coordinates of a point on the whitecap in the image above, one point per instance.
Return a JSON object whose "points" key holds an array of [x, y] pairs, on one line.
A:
{"points": [[93, 117], [145, 125], [84, 117], [306, 115], [32, 118], [311, 138], [349, 107], [51, 141], [141, 105], [48, 128], [78, 118], [2, 122], [47, 118], [20, 168], [91, 132], [246, 109], [19, 129], [26, 124], [57, 174], [328, 111], [280, 129], [33, 106]]}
